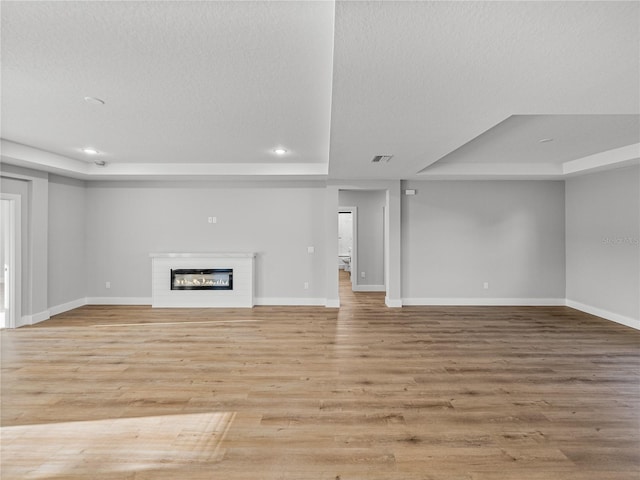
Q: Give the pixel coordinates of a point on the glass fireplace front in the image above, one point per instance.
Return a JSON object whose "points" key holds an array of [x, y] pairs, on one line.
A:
{"points": [[205, 279]]}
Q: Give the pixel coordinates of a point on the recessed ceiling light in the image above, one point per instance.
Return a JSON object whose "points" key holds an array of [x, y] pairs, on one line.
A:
{"points": [[90, 151], [545, 140], [279, 151], [94, 100]]}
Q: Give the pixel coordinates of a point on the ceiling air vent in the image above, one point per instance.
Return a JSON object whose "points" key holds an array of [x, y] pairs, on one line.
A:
{"points": [[381, 158]]}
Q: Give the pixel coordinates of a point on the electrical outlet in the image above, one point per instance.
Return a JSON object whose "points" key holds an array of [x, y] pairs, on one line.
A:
{"points": [[486, 285], [212, 219], [107, 285], [306, 285], [311, 249], [362, 275]]}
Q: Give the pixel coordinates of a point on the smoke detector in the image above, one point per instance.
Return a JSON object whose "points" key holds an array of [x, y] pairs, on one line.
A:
{"points": [[381, 158]]}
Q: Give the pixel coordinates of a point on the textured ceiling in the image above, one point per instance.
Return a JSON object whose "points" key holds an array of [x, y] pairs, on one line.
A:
{"points": [[548, 139], [211, 88], [420, 79], [183, 82]]}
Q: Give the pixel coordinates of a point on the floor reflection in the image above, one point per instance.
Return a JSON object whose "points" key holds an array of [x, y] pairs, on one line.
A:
{"points": [[113, 445]]}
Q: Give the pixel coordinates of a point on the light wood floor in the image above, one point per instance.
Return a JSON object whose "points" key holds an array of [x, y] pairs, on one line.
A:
{"points": [[366, 392]]}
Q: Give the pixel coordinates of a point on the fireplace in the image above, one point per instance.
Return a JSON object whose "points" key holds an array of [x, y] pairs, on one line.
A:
{"points": [[202, 279]]}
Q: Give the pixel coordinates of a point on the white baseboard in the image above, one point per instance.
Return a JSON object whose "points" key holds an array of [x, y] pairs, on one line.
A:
{"points": [[335, 303], [274, 301], [34, 318], [80, 302], [118, 300], [599, 312], [507, 302], [393, 302], [332, 303], [65, 307], [292, 301], [369, 288]]}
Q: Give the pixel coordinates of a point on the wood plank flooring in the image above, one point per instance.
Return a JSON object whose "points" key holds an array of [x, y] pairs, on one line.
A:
{"points": [[364, 392]]}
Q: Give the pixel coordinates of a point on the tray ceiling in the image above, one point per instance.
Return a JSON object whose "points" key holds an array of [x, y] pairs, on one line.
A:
{"points": [[212, 89]]}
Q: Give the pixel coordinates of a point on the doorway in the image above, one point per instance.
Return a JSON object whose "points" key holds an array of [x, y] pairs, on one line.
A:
{"points": [[376, 252], [10, 254], [347, 241]]}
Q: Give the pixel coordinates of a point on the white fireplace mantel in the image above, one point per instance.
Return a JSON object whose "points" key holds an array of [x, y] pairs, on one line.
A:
{"points": [[242, 294], [202, 255]]}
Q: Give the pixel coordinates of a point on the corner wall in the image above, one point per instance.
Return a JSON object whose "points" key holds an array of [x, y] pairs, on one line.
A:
{"points": [[457, 235], [603, 252], [66, 244]]}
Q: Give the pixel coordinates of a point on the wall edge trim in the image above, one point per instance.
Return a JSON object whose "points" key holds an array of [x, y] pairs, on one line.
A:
{"points": [[606, 314], [65, 307], [34, 318], [369, 288], [290, 301], [497, 302], [119, 301], [394, 302]]}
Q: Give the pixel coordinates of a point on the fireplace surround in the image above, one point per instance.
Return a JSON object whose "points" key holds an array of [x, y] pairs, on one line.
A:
{"points": [[202, 280]]}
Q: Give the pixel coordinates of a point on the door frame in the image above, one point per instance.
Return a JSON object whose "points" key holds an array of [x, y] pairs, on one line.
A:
{"points": [[14, 260]]}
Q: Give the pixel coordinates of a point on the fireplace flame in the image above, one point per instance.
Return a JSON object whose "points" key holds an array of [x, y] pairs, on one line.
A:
{"points": [[192, 279]]}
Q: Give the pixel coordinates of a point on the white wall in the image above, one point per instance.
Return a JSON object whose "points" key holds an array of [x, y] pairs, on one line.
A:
{"points": [[603, 252], [67, 273], [370, 247], [456, 235], [125, 222]]}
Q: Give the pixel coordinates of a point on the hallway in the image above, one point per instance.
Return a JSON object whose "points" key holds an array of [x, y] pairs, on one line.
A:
{"points": [[351, 299]]}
